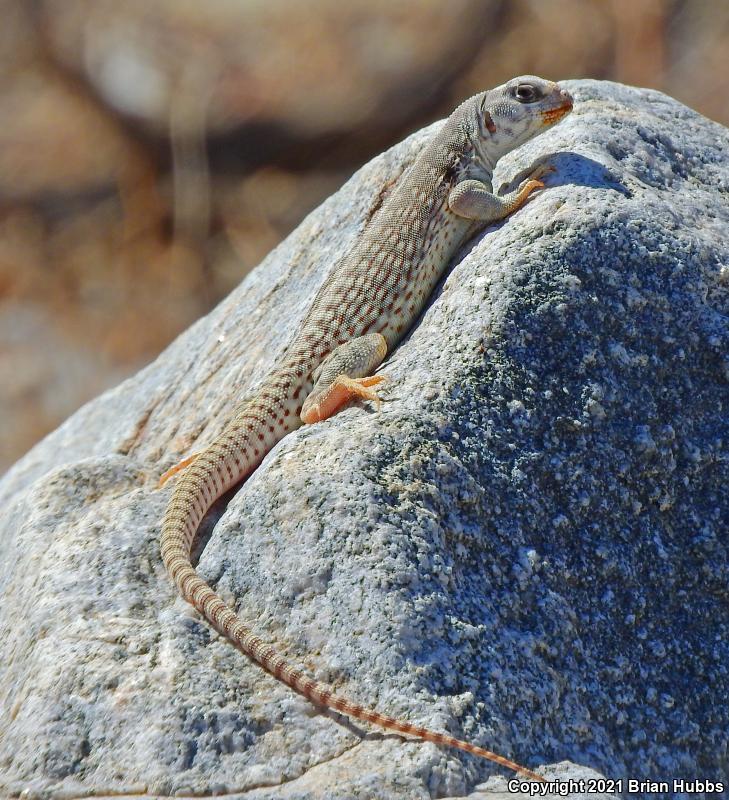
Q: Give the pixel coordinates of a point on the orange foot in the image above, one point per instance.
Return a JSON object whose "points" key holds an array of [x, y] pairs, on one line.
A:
{"points": [[172, 470], [337, 394], [524, 191], [531, 184]]}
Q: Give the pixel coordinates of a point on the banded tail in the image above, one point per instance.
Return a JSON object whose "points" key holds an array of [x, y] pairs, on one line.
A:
{"points": [[229, 459]]}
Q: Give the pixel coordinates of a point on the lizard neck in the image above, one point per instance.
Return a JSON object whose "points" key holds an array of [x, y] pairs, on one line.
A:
{"points": [[483, 159]]}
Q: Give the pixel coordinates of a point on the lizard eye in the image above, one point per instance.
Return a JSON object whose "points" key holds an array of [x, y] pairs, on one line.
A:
{"points": [[527, 93]]}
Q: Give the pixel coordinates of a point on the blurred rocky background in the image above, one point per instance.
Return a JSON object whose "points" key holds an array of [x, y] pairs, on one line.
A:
{"points": [[152, 151]]}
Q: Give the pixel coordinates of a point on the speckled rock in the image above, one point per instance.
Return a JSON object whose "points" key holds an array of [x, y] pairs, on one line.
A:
{"points": [[526, 546]]}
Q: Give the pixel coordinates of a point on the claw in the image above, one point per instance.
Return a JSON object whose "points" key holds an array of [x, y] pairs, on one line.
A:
{"points": [[359, 387], [540, 171], [530, 185]]}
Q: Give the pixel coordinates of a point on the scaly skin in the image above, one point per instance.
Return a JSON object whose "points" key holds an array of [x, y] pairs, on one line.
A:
{"points": [[364, 308]]}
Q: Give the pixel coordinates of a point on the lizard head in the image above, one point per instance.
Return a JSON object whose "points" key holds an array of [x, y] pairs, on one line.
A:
{"points": [[513, 113]]}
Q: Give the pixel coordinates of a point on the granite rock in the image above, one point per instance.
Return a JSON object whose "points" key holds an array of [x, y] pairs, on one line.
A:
{"points": [[526, 546]]}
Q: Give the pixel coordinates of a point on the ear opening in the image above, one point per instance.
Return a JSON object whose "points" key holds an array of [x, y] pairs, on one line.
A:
{"points": [[487, 118]]}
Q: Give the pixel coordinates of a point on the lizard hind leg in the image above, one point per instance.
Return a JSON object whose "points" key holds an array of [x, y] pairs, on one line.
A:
{"points": [[346, 374], [177, 468]]}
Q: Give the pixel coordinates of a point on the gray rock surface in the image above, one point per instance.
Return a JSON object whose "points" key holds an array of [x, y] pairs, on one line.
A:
{"points": [[526, 546]]}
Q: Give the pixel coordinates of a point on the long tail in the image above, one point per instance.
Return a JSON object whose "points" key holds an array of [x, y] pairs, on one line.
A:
{"points": [[227, 461]]}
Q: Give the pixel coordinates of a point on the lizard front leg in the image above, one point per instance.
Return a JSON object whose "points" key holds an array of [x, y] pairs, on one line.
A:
{"points": [[345, 373], [474, 200]]}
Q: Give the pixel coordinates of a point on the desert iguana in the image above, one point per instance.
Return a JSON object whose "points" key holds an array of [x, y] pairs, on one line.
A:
{"points": [[361, 312]]}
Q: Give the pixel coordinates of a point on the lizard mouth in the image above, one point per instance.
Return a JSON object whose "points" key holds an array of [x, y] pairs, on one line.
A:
{"points": [[556, 114]]}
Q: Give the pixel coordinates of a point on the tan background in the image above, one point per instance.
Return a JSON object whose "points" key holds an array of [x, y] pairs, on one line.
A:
{"points": [[152, 151]]}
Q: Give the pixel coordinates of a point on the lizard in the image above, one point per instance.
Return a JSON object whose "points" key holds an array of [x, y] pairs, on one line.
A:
{"points": [[363, 309]]}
